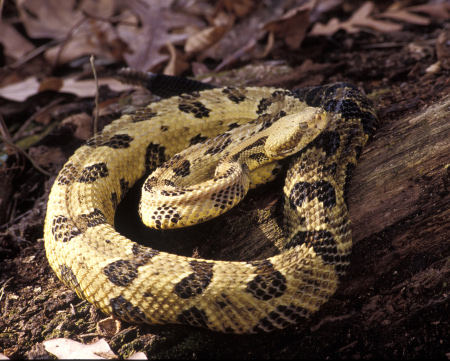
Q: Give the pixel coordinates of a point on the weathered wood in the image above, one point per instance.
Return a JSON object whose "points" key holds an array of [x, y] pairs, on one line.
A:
{"points": [[400, 268]]}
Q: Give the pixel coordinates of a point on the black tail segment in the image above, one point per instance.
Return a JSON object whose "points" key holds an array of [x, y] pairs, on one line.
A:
{"points": [[342, 98], [162, 85]]}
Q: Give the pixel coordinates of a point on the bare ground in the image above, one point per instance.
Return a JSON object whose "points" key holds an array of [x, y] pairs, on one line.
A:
{"points": [[393, 302]]}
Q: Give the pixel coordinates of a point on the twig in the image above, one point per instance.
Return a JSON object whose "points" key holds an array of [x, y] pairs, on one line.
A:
{"points": [[18, 218], [30, 119], [112, 19], [4, 284], [66, 40], [1, 10], [33, 53], [3, 128], [96, 95], [25, 154]]}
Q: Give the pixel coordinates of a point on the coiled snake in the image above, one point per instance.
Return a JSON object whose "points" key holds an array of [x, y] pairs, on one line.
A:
{"points": [[211, 146]]}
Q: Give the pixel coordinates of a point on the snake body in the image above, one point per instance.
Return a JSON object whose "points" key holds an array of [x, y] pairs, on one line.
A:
{"points": [[203, 151]]}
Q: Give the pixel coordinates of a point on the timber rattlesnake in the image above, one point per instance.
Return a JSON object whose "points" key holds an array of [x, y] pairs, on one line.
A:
{"points": [[245, 132]]}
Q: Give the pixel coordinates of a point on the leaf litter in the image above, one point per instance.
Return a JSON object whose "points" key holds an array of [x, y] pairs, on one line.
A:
{"points": [[174, 36]]}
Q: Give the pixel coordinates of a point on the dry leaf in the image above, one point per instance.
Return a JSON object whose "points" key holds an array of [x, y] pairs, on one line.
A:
{"points": [[177, 63], [204, 39], [92, 37], [64, 348], [87, 88], [138, 356], [438, 10], [83, 125], [49, 158], [443, 48], [291, 26], [358, 21], [52, 83], [108, 327], [68, 349], [239, 7], [158, 22], [57, 19], [328, 29], [15, 45], [20, 91], [395, 13], [48, 18]]}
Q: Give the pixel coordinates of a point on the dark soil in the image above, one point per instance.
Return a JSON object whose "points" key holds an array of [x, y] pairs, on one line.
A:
{"points": [[394, 301]]}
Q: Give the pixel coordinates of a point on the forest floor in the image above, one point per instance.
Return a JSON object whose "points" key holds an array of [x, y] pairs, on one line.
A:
{"points": [[394, 300]]}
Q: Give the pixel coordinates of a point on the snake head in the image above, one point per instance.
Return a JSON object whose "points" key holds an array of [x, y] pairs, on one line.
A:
{"points": [[294, 131]]}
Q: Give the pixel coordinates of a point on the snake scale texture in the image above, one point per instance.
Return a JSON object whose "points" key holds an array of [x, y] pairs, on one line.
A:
{"points": [[203, 149]]}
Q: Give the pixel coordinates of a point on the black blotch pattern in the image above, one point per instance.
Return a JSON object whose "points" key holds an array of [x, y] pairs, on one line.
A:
{"points": [[118, 141], [196, 282], [276, 96], [325, 96], [154, 156], [369, 122], [193, 317], [219, 144], [324, 244], [268, 284], [263, 105], [126, 311], [143, 114], [69, 278], [268, 119], [221, 304], [316, 96], [92, 219], [167, 212], [169, 183], [183, 170], [330, 169], [68, 174], [260, 142], [225, 197], [305, 191], [197, 139], [259, 157], [349, 109], [124, 187], [150, 183], [189, 104], [233, 125], [234, 94], [171, 162], [114, 200], [92, 173], [144, 252], [282, 317], [63, 229], [281, 93], [228, 172], [348, 174], [123, 272], [328, 141]]}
